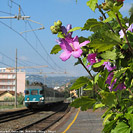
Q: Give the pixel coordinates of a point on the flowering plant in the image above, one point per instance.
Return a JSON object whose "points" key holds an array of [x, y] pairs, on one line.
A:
{"points": [[108, 52]]}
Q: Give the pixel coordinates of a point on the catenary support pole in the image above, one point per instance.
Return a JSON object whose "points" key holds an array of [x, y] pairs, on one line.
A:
{"points": [[16, 83]]}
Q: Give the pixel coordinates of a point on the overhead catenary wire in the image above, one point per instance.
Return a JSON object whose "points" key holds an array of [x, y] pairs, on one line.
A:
{"points": [[7, 13], [40, 41], [6, 64], [37, 37], [60, 69], [28, 44], [18, 62]]}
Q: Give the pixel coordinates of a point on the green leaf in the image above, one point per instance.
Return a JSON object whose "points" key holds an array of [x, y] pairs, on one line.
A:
{"points": [[92, 4], [80, 82], [122, 128], [112, 37], [130, 109], [131, 19], [130, 36], [98, 64], [60, 35], [96, 77], [84, 60], [108, 98], [106, 118], [102, 46], [96, 106], [74, 29], [102, 78], [82, 39], [56, 49], [108, 127], [107, 41], [108, 19], [92, 25], [118, 74], [112, 14], [107, 112], [87, 89], [129, 117], [84, 102], [109, 55]]}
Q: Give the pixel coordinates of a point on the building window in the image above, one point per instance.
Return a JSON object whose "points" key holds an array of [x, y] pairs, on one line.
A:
{"points": [[9, 76], [3, 75]]}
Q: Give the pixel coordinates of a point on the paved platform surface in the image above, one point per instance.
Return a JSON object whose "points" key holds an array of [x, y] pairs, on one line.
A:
{"points": [[85, 122]]}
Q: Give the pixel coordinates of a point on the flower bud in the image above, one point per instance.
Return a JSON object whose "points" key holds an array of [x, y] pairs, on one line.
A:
{"points": [[51, 28], [55, 24], [58, 28], [59, 23], [54, 31], [105, 6]]}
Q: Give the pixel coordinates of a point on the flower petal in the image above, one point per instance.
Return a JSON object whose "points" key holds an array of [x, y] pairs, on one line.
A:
{"points": [[92, 58], [65, 55], [69, 26], [121, 33], [107, 65], [130, 28], [84, 43], [76, 42], [64, 30], [65, 45], [77, 53]]}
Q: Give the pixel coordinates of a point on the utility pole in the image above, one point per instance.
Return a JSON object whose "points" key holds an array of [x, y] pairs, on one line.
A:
{"points": [[16, 83]]}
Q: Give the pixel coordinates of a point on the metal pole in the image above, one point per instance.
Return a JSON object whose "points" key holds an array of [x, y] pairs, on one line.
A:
{"points": [[16, 83]]}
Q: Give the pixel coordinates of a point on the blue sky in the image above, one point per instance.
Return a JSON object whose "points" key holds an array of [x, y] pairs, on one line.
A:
{"points": [[44, 12]]}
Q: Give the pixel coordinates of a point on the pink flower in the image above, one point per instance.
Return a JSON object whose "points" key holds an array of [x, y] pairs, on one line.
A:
{"points": [[65, 33], [120, 86], [66, 29], [107, 65], [71, 46], [92, 58], [130, 28]]}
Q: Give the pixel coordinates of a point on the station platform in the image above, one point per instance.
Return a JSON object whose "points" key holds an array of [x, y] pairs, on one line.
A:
{"points": [[78, 121]]}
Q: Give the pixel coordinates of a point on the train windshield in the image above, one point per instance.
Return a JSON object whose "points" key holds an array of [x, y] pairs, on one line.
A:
{"points": [[26, 92], [34, 92], [41, 92]]}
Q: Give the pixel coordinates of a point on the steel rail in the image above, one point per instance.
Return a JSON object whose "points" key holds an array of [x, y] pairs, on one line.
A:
{"points": [[43, 120], [11, 116]]}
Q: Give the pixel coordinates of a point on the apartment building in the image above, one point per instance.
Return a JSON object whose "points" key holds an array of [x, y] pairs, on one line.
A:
{"points": [[8, 80]]}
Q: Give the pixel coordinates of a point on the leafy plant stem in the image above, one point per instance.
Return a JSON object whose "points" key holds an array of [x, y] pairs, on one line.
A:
{"points": [[104, 17], [86, 68], [124, 33], [130, 91]]}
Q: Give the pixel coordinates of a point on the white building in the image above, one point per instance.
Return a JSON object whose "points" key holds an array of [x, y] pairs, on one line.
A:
{"points": [[8, 80]]}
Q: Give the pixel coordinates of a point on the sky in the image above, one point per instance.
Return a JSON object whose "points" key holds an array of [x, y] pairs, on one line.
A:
{"points": [[33, 48]]}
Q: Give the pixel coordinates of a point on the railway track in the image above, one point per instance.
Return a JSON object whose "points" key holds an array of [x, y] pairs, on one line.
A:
{"points": [[46, 122], [9, 116]]}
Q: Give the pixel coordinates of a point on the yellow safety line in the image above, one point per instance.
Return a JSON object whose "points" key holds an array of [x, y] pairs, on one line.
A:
{"points": [[72, 121]]}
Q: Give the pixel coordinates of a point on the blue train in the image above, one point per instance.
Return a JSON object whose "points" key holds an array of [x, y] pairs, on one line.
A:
{"points": [[38, 96]]}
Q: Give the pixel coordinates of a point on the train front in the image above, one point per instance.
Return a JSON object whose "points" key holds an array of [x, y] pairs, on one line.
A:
{"points": [[34, 97]]}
